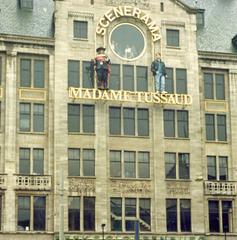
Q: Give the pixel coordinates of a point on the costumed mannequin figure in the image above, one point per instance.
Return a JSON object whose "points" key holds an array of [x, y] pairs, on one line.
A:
{"points": [[102, 68], [159, 73]]}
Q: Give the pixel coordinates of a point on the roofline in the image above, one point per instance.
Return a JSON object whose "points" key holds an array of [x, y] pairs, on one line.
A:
{"points": [[217, 55], [188, 8]]}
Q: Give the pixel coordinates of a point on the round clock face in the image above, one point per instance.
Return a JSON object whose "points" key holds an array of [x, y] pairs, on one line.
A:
{"points": [[127, 41]]}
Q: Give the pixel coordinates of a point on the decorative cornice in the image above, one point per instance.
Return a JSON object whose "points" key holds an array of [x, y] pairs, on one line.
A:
{"points": [[81, 14], [206, 55], [145, 4]]}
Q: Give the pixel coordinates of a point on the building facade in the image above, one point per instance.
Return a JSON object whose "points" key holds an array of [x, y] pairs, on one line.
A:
{"points": [[84, 163]]}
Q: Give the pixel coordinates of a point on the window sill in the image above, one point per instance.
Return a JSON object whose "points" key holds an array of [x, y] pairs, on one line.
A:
{"points": [[176, 138], [130, 179], [218, 142], [173, 47], [32, 88], [130, 136], [178, 180], [32, 133], [82, 177], [78, 133], [80, 39]]}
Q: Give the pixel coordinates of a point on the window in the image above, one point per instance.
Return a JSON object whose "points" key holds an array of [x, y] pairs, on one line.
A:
{"points": [[80, 29], [31, 213], [31, 117], [81, 165], [181, 223], [176, 81], [26, 4], [134, 209], [31, 161], [135, 122], [217, 168], [32, 73], [129, 164], [73, 73], [177, 169], [176, 128], [214, 86], [81, 213], [220, 215], [200, 18], [172, 37], [216, 127], [81, 118]]}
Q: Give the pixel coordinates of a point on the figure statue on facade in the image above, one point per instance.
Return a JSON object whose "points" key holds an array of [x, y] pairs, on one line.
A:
{"points": [[102, 68], [159, 73]]}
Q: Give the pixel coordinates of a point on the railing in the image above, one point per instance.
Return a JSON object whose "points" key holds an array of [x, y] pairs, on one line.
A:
{"points": [[2, 181], [33, 182], [220, 188]]}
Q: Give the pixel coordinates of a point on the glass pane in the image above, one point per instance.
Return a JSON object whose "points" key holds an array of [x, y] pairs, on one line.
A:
{"points": [[211, 168], [39, 213], [182, 117], [129, 121], [115, 120], [226, 215], [115, 164], [23, 221], [142, 80], [38, 161], [129, 165], [73, 118], [24, 164], [171, 215], [89, 214], [25, 113], [220, 86], [172, 37], [73, 73], [25, 72], [88, 112], [210, 127], [184, 166], [128, 77], [130, 211], [221, 127], [74, 213], [145, 213], [181, 81], [80, 29], [87, 81], [73, 162], [143, 165], [114, 81], [170, 165], [208, 86], [39, 73], [185, 215], [214, 216], [143, 122], [88, 162], [223, 168], [169, 123], [116, 214], [169, 81], [38, 118]]}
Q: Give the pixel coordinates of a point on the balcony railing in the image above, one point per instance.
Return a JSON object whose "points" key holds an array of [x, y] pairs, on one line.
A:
{"points": [[220, 188], [2, 181], [33, 182]]}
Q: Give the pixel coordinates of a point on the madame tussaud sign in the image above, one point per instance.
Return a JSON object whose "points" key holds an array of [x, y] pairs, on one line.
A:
{"points": [[128, 11]]}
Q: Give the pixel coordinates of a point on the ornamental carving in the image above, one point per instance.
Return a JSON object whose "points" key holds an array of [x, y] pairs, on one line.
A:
{"points": [[138, 3], [82, 186], [138, 187], [178, 188]]}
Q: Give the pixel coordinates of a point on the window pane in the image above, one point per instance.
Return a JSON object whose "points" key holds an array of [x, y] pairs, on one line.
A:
{"points": [[214, 216], [73, 73], [23, 221], [185, 215], [143, 165], [181, 81], [38, 161], [208, 86], [129, 165], [88, 162], [86, 75], [115, 120], [142, 80], [39, 73], [226, 215], [172, 37], [182, 117], [114, 81], [129, 121], [169, 123], [220, 86], [39, 213], [116, 214], [88, 112], [145, 214], [171, 215], [211, 168], [25, 72], [115, 164], [80, 29], [221, 127], [73, 118], [38, 118], [169, 81], [210, 127], [24, 165], [128, 77], [25, 117], [89, 214], [74, 213], [143, 122], [73, 162], [223, 168], [170, 165], [184, 166], [130, 211]]}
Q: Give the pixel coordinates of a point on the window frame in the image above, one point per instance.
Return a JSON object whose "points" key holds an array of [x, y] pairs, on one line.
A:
{"points": [[85, 34], [170, 41]]}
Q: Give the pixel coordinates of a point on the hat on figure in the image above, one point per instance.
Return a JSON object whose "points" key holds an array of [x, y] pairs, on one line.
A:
{"points": [[100, 48]]}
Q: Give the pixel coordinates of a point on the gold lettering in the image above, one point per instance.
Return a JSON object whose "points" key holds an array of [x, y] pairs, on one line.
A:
{"points": [[163, 98], [100, 30], [179, 99], [156, 98], [116, 95], [139, 96], [105, 95], [155, 37], [109, 15], [171, 99], [136, 12], [127, 11], [75, 92], [126, 95], [152, 27], [96, 94], [118, 11], [146, 97], [145, 19], [104, 23], [188, 100], [86, 94]]}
